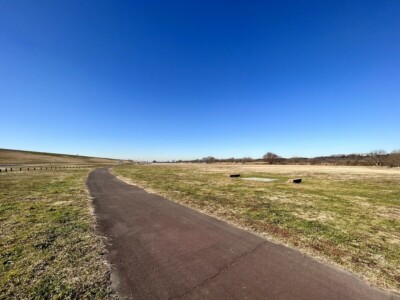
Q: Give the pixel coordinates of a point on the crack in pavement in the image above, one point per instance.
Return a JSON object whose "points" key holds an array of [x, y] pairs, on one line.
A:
{"points": [[220, 270]]}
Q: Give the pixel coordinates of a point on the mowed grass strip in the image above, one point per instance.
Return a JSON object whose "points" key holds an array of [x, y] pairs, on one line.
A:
{"points": [[349, 218], [48, 245]]}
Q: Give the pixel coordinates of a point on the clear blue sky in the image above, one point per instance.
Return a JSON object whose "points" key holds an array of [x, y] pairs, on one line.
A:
{"points": [[188, 79]]}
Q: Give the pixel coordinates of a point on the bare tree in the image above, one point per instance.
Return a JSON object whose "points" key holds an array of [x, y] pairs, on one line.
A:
{"points": [[246, 159], [377, 156], [270, 157], [209, 159], [394, 158]]}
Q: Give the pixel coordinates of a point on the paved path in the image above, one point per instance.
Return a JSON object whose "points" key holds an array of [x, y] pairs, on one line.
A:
{"points": [[162, 250]]}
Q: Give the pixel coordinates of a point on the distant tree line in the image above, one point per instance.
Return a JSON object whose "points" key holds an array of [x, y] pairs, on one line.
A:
{"points": [[373, 158]]}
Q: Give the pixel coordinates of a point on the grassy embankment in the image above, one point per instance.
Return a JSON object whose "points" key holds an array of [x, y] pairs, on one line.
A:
{"points": [[48, 245], [8, 156], [347, 216]]}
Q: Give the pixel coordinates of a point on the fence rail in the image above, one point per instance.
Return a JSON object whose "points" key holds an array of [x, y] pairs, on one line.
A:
{"points": [[5, 169]]}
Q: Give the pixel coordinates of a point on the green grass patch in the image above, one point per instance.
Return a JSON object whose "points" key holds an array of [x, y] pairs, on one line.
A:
{"points": [[48, 245]]}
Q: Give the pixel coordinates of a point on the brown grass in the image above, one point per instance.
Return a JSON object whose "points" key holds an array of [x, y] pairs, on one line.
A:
{"points": [[28, 157], [48, 245]]}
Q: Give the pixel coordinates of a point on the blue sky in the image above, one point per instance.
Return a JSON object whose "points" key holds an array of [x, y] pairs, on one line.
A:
{"points": [[188, 79]]}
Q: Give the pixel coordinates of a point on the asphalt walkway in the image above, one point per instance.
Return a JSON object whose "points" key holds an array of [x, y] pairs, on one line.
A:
{"points": [[163, 250]]}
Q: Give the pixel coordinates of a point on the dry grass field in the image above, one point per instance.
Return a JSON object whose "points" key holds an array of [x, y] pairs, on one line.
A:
{"points": [[347, 216], [28, 157], [48, 245]]}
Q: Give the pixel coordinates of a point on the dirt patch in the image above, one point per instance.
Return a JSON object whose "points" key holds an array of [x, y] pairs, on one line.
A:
{"points": [[260, 179]]}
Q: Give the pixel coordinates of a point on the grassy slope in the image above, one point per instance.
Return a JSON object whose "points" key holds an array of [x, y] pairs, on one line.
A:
{"points": [[48, 245], [18, 156], [349, 218]]}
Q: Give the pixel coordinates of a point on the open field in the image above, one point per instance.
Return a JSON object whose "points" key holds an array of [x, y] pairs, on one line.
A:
{"points": [[348, 216], [28, 157], [48, 245]]}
